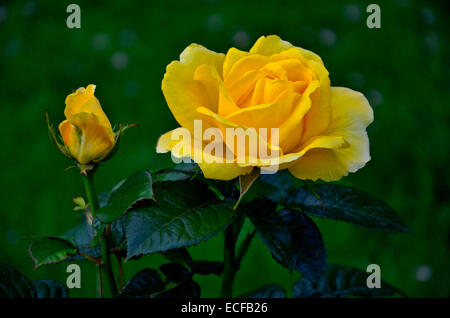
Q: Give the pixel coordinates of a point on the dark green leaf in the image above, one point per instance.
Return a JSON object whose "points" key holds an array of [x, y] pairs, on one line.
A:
{"points": [[90, 241], [50, 289], [118, 234], [179, 255], [145, 283], [271, 228], [136, 188], [182, 171], [347, 204], [50, 250], [268, 291], [341, 281], [182, 256], [276, 187], [304, 288], [191, 171], [308, 250], [175, 272], [185, 213], [103, 198], [292, 238], [14, 285], [207, 267], [187, 289], [82, 236]]}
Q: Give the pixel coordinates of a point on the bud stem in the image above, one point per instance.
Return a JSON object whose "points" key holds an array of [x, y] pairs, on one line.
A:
{"points": [[91, 194]]}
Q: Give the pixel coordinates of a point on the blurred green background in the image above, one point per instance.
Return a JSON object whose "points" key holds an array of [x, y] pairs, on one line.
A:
{"points": [[124, 46]]}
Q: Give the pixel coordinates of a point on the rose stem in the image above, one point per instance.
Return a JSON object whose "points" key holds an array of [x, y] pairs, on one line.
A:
{"points": [[229, 257]]}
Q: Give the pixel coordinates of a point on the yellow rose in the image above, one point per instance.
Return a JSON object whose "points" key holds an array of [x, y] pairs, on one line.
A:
{"points": [[321, 129], [87, 133]]}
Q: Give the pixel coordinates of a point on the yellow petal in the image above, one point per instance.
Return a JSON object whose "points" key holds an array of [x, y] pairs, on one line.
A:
{"points": [[351, 114], [350, 110], [269, 45], [196, 54], [318, 118], [233, 55], [223, 171], [84, 101], [273, 44], [290, 159], [71, 138], [291, 131], [213, 120], [321, 164], [184, 90], [319, 142], [168, 140], [296, 69], [223, 103], [87, 139], [270, 115], [243, 89], [182, 146], [244, 65], [273, 89]]}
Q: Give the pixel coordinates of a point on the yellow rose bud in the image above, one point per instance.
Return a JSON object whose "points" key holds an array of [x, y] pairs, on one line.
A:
{"points": [[86, 132], [321, 129]]}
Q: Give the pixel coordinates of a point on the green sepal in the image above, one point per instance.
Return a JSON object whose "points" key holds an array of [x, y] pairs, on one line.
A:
{"points": [[117, 136], [54, 138]]}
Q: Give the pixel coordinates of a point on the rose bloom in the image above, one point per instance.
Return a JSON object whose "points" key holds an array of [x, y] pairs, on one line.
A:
{"points": [[322, 129], [87, 133]]}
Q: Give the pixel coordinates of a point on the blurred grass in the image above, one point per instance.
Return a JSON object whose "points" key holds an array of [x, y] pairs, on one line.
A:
{"points": [[124, 46]]}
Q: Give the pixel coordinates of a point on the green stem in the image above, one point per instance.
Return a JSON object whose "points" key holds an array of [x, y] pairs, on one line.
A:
{"points": [[121, 273], [244, 248], [106, 255], [229, 256], [100, 287], [90, 192], [228, 264]]}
